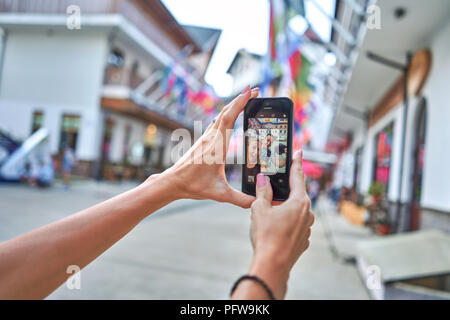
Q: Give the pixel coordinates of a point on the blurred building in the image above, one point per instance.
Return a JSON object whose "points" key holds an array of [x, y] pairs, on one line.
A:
{"points": [[294, 67], [90, 72], [245, 69], [404, 147]]}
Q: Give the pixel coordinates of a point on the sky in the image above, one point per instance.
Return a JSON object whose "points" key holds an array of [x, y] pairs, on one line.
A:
{"points": [[244, 24]]}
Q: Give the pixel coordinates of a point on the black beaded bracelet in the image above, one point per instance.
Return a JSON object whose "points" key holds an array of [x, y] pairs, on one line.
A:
{"points": [[254, 278]]}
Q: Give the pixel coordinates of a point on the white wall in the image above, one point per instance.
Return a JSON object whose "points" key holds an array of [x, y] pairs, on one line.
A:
{"points": [[436, 183], [55, 72]]}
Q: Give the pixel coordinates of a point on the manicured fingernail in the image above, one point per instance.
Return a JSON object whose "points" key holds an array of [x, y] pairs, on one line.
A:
{"points": [[247, 88], [260, 180], [298, 155]]}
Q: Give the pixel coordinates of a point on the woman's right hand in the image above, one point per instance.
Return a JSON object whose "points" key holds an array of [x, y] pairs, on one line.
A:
{"points": [[279, 234], [200, 173]]}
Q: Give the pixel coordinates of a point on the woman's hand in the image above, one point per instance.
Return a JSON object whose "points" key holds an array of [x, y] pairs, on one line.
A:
{"points": [[279, 234], [200, 173]]}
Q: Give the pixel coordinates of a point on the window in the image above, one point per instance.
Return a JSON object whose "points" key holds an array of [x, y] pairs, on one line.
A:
{"points": [[383, 144], [115, 63], [116, 58], [38, 120], [69, 131]]}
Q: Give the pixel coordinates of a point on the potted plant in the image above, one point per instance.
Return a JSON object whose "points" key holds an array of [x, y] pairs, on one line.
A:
{"points": [[381, 222], [377, 190]]}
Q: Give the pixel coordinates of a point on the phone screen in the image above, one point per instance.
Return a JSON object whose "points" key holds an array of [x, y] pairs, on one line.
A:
{"points": [[268, 144]]}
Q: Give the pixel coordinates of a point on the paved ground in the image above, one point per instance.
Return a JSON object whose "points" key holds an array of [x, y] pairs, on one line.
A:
{"points": [[188, 250]]}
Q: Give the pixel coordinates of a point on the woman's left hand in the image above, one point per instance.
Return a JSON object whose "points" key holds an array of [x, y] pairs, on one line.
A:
{"points": [[200, 173]]}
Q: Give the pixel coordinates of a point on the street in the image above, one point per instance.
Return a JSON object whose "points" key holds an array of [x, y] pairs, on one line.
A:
{"points": [[188, 250]]}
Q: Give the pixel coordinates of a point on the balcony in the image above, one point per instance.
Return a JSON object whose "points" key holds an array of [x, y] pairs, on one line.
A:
{"points": [[119, 82], [119, 76]]}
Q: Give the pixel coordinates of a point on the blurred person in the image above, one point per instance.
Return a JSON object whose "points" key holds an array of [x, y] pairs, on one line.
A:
{"points": [[25, 174], [46, 174], [267, 154], [34, 173], [252, 152], [252, 158], [279, 234], [313, 192], [68, 163], [281, 158], [329, 190]]}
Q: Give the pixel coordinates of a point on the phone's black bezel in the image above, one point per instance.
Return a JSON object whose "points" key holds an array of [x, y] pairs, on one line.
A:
{"points": [[280, 104]]}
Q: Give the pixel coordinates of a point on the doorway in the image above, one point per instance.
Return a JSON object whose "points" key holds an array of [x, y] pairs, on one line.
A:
{"points": [[418, 161], [69, 132]]}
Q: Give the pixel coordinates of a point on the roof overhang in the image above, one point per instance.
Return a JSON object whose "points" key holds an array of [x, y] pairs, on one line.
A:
{"points": [[128, 108]]}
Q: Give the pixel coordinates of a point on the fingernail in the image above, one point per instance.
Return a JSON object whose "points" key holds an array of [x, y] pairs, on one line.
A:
{"points": [[260, 180], [298, 154], [247, 88]]}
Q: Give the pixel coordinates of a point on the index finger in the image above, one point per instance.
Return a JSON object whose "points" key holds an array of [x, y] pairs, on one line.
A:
{"points": [[236, 106], [297, 177]]}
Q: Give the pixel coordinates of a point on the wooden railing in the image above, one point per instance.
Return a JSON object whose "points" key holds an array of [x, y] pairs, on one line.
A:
{"points": [[121, 76]]}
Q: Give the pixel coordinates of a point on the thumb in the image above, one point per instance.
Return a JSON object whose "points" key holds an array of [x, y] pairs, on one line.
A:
{"points": [[240, 199], [263, 189], [297, 177]]}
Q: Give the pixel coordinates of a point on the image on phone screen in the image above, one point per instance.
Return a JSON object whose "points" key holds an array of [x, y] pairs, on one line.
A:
{"points": [[267, 144], [267, 147]]}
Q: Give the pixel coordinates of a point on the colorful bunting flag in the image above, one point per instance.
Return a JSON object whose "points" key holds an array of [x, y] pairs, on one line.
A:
{"points": [[176, 88], [287, 63]]}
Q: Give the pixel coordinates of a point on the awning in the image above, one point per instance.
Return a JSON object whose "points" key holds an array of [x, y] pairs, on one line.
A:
{"points": [[129, 108]]}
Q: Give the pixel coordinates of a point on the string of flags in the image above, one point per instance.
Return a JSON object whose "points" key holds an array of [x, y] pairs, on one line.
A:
{"points": [[289, 66], [177, 89]]}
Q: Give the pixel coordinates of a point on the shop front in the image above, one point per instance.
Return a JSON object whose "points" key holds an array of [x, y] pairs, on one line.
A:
{"points": [[136, 141]]}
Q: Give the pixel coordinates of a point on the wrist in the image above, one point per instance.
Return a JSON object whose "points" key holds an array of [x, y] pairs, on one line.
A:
{"points": [[165, 185], [274, 273]]}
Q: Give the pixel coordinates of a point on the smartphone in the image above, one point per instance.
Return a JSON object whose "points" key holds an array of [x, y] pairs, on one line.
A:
{"points": [[268, 125]]}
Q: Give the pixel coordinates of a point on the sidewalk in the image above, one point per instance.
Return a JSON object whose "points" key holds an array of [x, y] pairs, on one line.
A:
{"points": [[343, 236]]}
